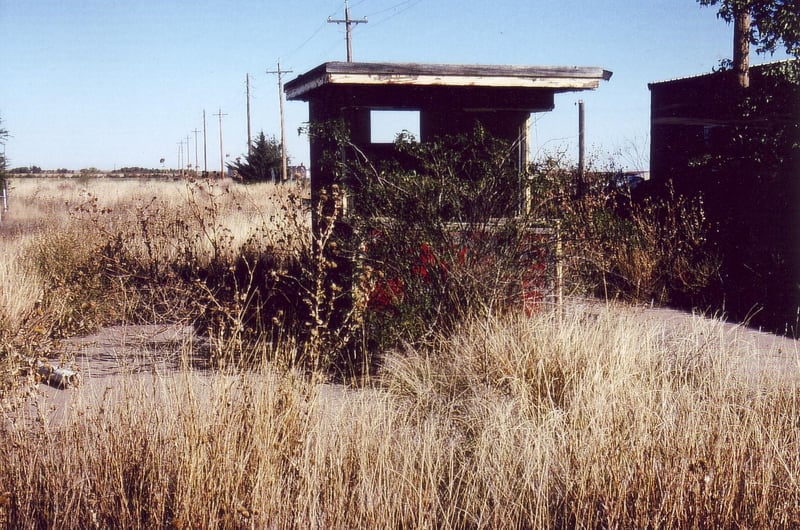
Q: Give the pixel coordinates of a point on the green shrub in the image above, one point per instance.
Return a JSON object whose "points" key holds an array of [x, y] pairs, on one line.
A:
{"points": [[454, 226], [443, 233]]}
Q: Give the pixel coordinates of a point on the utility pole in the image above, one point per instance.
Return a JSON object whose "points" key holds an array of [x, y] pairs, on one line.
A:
{"points": [[3, 184], [205, 146], [221, 155], [180, 157], [249, 146], [283, 128], [188, 154], [195, 131], [348, 22], [581, 148]]}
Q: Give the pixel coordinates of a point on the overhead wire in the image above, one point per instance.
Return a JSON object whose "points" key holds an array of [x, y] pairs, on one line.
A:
{"points": [[314, 33], [398, 8], [405, 5]]}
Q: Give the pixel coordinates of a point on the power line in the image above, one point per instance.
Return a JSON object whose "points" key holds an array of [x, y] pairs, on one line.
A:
{"points": [[221, 155], [348, 22], [314, 34], [283, 128], [403, 6], [407, 4], [195, 131], [392, 8]]}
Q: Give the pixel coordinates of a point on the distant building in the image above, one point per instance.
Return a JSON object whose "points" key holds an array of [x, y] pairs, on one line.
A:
{"points": [[692, 119], [297, 173]]}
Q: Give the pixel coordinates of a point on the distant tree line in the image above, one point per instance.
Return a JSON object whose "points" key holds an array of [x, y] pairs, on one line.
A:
{"points": [[25, 170], [124, 171]]}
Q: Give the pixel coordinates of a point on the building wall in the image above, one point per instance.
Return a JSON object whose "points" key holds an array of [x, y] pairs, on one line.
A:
{"points": [[738, 149]]}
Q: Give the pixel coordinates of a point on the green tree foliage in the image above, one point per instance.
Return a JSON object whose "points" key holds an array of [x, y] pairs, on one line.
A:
{"points": [[443, 232], [26, 170], [263, 163], [773, 22], [763, 131]]}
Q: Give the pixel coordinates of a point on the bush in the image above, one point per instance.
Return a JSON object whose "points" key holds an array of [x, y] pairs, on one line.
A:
{"points": [[442, 233], [454, 227], [618, 243]]}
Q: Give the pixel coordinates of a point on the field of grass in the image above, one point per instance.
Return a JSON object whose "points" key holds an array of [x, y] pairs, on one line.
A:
{"points": [[79, 254], [586, 417]]}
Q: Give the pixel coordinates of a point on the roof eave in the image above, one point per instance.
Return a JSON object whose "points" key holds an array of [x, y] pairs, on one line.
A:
{"points": [[561, 79]]}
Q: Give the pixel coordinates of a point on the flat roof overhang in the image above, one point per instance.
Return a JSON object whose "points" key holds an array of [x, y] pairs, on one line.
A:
{"points": [[415, 75]]}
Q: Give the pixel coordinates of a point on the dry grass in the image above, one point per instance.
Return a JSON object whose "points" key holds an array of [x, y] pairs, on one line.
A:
{"points": [[19, 288], [39, 206], [62, 235], [83, 253], [589, 419]]}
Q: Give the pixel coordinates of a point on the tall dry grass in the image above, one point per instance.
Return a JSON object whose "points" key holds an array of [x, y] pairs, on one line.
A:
{"points": [[586, 418], [590, 418], [76, 250], [43, 206], [79, 254]]}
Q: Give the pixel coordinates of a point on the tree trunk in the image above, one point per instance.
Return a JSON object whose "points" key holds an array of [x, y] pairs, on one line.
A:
{"points": [[741, 46]]}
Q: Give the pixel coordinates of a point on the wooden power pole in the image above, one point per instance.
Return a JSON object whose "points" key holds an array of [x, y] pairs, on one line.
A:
{"points": [[249, 145], [180, 158], [348, 22], [221, 155], [581, 149], [205, 146], [283, 127], [196, 168]]}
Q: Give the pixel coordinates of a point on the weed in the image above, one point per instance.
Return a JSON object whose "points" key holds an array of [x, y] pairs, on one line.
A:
{"points": [[585, 418]]}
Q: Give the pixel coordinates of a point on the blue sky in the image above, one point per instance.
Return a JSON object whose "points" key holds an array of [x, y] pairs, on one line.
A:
{"points": [[113, 83]]}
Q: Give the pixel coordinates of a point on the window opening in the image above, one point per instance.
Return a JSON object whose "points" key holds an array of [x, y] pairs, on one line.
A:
{"points": [[385, 125]]}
